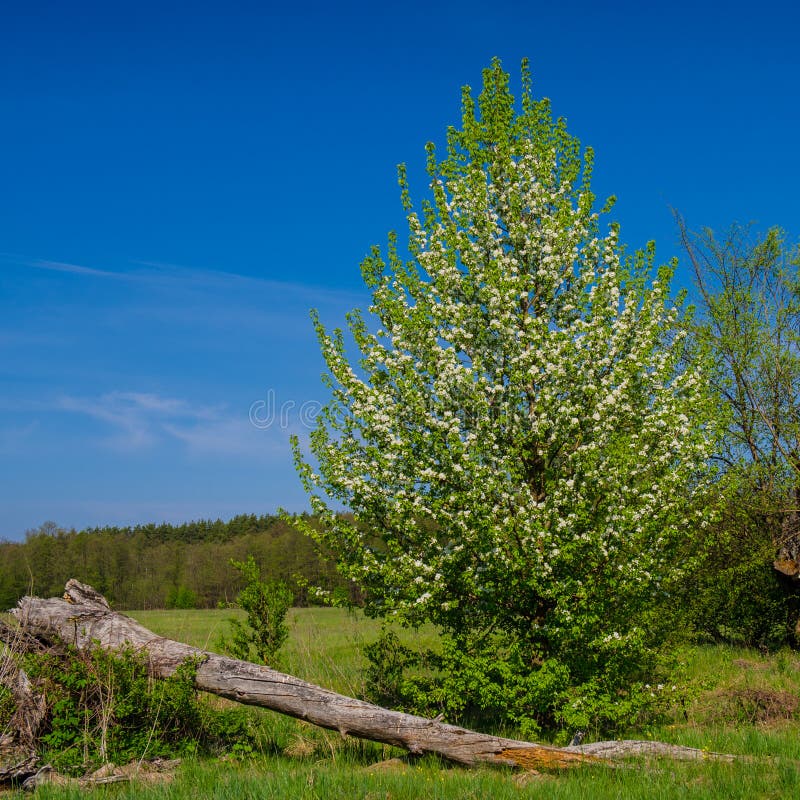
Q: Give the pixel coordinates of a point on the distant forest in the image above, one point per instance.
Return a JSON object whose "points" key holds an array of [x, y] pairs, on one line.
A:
{"points": [[164, 566]]}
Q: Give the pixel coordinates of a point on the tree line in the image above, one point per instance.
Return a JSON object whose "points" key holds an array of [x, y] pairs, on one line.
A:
{"points": [[164, 565]]}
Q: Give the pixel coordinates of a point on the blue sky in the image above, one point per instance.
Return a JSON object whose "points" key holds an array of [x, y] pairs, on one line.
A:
{"points": [[182, 182]]}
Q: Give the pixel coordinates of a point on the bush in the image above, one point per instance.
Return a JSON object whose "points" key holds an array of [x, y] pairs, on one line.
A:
{"points": [[494, 681], [266, 603], [105, 707], [732, 593]]}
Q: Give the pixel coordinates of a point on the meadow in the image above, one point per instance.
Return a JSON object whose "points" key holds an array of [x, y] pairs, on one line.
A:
{"points": [[734, 700]]}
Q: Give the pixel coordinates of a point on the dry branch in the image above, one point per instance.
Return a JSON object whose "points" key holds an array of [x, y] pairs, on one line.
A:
{"points": [[84, 619]]}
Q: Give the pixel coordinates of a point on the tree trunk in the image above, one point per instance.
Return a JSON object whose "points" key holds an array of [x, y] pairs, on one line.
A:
{"points": [[84, 619]]}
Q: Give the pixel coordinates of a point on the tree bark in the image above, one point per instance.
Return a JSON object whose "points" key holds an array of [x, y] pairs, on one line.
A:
{"points": [[84, 619]]}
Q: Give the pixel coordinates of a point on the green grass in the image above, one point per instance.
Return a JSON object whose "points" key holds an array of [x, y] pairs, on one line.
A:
{"points": [[736, 702], [280, 778], [324, 644]]}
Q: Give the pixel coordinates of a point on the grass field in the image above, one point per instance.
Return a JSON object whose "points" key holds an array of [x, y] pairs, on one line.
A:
{"points": [[741, 702], [324, 644]]}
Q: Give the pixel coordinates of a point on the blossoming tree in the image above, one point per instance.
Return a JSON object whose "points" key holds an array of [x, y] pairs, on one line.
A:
{"points": [[518, 439]]}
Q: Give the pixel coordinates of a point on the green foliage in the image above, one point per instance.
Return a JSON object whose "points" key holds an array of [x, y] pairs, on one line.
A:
{"points": [[266, 603], [181, 597], [520, 438], [731, 592], [344, 777], [105, 707], [749, 324], [156, 566], [493, 682], [733, 688]]}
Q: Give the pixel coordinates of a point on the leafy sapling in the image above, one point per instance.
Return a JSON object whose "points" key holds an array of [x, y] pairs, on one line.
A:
{"points": [[266, 603]]}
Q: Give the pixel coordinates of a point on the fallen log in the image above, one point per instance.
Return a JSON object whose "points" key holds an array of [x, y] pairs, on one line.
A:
{"points": [[84, 619]]}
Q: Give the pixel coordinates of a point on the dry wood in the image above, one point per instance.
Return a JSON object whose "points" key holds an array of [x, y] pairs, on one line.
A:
{"points": [[18, 756], [31, 707], [150, 772], [84, 619], [16, 762]]}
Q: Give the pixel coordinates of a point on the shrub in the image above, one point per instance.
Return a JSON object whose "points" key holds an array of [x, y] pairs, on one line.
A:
{"points": [[266, 604], [731, 592], [106, 707], [494, 680]]}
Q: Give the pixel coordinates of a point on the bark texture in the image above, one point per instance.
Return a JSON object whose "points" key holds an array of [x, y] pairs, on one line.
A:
{"points": [[84, 619]]}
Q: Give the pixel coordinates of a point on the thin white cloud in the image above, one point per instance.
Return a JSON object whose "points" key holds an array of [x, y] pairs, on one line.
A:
{"points": [[76, 269], [147, 401], [142, 420], [174, 292], [230, 437], [223, 279], [167, 274], [131, 426]]}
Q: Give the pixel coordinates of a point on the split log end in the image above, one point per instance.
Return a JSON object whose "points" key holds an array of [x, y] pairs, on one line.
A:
{"points": [[79, 593]]}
